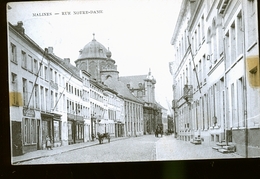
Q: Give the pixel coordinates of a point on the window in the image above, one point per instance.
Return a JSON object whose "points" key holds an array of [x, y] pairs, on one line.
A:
{"points": [[233, 42], [29, 131], [55, 77], [24, 60], [26, 131], [36, 96], [13, 53], [251, 21], [46, 99], [227, 50], [31, 95], [25, 96], [33, 131], [35, 66], [59, 82], [51, 74], [202, 27], [52, 100], [40, 70], [56, 101], [42, 98], [45, 73], [239, 34], [57, 134], [30, 63], [14, 100]]}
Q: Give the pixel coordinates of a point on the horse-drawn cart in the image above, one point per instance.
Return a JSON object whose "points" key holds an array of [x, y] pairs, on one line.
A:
{"points": [[101, 137]]}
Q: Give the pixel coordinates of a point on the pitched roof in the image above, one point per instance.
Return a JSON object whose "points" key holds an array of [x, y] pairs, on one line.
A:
{"points": [[72, 69], [133, 80], [122, 90]]}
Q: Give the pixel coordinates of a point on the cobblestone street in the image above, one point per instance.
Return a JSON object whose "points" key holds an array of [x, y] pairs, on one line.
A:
{"points": [[145, 148], [169, 148], [130, 149]]}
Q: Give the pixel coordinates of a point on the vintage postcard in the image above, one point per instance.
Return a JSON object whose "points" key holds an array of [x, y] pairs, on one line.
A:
{"points": [[131, 81]]}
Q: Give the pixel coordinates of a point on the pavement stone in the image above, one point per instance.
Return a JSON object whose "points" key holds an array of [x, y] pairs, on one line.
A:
{"points": [[56, 150]]}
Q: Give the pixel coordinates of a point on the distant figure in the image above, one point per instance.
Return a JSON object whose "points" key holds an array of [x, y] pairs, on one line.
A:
{"points": [[48, 143]]}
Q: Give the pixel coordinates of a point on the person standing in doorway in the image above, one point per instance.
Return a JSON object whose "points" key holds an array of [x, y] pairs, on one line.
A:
{"points": [[48, 143]]}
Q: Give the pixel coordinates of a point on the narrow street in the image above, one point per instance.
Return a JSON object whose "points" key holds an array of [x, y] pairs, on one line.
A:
{"points": [[145, 148]]}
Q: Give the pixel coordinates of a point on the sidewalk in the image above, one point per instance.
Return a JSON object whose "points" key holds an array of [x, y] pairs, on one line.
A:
{"points": [[57, 150]]}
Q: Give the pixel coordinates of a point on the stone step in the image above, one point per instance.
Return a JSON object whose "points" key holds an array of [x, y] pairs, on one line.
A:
{"points": [[229, 147], [216, 147], [224, 151], [221, 144]]}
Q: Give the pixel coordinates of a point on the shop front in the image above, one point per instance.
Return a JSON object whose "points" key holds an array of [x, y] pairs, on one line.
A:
{"points": [[119, 129], [75, 129], [30, 130], [51, 127]]}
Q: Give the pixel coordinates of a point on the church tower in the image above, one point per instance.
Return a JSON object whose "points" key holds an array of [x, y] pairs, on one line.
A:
{"points": [[96, 59], [150, 88]]}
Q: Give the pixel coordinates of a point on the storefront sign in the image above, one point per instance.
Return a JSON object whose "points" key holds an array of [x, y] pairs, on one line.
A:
{"points": [[29, 112], [74, 117]]}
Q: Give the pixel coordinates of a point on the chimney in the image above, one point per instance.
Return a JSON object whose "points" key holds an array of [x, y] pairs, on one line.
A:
{"points": [[67, 60], [50, 50], [19, 27]]}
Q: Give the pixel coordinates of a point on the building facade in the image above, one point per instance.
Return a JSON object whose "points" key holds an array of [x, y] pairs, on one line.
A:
{"points": [[214, 73], [45, 96], [143, 87]]}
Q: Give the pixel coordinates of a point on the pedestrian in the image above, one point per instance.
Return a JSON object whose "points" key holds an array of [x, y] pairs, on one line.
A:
{"points": [[48, 143]]}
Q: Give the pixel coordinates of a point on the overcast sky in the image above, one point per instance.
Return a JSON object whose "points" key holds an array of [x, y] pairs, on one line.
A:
{"points": [[137, 32]]}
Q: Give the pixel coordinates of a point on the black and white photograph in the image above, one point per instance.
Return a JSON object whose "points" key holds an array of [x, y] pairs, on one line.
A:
{"points": [[110, 81]]}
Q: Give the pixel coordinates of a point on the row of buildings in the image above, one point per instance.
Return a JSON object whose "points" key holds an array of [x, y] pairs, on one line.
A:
{"points": [[216, 74], [51, 97]]}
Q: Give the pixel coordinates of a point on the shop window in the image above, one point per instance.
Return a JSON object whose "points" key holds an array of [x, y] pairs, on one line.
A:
{"points": [[26, 131], [33, 131], [69, 130], [56, 125], [29, 131]]}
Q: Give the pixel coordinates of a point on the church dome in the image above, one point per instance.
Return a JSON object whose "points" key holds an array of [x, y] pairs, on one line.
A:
{"points": [[93, 49]]}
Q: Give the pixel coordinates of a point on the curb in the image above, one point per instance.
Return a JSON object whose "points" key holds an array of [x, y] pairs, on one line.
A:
{"points": [[76, 148]]}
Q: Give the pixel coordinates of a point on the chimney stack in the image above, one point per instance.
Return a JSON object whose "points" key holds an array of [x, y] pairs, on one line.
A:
{"points": [[67, 60], [50, 50], [19, 27]]}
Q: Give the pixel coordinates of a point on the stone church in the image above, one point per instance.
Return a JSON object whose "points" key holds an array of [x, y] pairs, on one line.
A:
{"points": [[96, 59]]}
